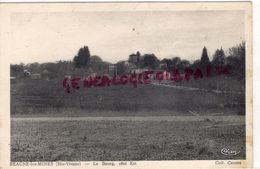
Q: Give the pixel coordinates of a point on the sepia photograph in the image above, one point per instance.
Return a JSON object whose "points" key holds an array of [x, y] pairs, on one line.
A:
{"points": [[129, 82]]}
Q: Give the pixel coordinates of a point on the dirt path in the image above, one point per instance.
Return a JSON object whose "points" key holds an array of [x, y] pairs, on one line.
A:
{"points": [[194, 88]]}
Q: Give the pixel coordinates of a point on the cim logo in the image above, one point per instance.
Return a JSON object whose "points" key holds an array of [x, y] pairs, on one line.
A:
{"points": [[228, 152]]}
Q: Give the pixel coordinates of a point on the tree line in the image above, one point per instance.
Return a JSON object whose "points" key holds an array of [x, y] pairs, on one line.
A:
{"points": [[85, 63]]}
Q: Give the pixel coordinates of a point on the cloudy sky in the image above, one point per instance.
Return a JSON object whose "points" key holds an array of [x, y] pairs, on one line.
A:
{"points": [[49, 37]]}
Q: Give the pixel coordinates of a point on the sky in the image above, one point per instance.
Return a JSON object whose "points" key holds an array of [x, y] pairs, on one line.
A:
{"points": [[53, 36]]}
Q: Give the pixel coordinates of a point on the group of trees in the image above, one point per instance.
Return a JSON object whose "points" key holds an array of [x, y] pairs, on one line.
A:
{"points": [[235, 58], [52, 70], [81, 64], [84, 61]]}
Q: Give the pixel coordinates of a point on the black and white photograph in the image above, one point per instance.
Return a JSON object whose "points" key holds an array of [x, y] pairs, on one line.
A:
{"points": [[127, 82]]}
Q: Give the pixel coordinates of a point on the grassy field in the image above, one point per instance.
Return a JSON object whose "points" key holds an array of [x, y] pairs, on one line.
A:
{"points": [[144, 98], [221, 82], [123, 140], [50, 140]]}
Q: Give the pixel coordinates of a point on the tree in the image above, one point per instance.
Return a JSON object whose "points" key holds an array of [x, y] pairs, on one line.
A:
{"points": [[95, 60], [236, 60], [17, 70], [168, 64], [176, 62], [150, 60], [184, 64], [238, 51], [83, 57], [196, 64], [167, 61], [204, 61], [96, 63], [219, 58]]}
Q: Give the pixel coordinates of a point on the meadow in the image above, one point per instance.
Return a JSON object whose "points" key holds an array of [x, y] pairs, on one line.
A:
{"points": [[41, 96], [81, 140], [35, 139]]}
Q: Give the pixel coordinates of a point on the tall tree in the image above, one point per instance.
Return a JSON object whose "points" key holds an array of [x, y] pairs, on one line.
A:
{"points": [[219, 58], [82, 59], [204, 61]]}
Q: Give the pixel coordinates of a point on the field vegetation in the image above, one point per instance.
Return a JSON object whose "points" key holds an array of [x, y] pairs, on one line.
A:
{"points": [[123, 140], [41, 96]]}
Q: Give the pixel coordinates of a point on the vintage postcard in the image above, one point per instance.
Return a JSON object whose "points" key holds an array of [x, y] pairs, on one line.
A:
{"points": [[126, 85]]}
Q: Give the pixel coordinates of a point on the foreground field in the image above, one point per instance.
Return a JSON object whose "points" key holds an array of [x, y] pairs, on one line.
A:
{"points": [[73, 140]]}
